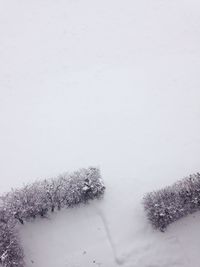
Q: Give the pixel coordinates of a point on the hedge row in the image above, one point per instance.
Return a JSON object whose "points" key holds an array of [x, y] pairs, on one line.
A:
{"points": [[10, 249], [38, 199], [173, 202]]}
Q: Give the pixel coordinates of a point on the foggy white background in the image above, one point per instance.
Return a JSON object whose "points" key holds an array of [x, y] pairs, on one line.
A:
{"points": [[114, 84]]}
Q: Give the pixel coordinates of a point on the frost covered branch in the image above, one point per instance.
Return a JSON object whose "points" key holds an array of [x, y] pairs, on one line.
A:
{"points": [[173, 202]]}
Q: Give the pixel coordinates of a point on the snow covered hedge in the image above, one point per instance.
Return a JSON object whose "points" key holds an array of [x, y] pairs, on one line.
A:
{"points": [[173, 202], [38, 199], [11, 252]]}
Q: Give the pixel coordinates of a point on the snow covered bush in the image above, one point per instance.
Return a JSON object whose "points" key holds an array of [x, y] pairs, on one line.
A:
{"points": [[38, 199], [173, 202], [11, 253]]}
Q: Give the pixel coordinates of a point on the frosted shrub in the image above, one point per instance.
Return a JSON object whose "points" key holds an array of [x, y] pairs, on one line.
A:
{"points": [[11, 253], [173, 202], [38, 199]]}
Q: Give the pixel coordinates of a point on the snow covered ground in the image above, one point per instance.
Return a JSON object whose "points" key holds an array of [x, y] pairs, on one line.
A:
{"points": [[107, 83]]}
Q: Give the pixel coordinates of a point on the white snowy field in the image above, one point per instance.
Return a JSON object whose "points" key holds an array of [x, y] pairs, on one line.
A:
{"points": [[113, 84]]}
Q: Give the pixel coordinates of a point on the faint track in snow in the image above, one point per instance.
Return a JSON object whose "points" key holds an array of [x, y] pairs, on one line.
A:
{"points": [[137, 255], [109, 237]]}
